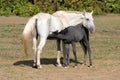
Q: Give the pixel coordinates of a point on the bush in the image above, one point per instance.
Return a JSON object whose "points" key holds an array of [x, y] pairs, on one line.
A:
{"points": [[32, 7], [18, 7]]}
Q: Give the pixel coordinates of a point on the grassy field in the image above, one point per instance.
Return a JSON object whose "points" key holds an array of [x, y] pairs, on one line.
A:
{"points": [[105, 46]]}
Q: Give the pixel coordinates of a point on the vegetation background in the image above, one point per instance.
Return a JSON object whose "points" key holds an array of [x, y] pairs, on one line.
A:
{"points": [[32, 7], [105, 43]]}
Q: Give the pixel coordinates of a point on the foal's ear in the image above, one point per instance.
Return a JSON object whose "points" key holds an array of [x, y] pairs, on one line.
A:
{"points": [[91, 12]]}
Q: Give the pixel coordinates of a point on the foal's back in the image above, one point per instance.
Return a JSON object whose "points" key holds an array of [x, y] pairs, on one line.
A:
{"points": [[70, 34]]}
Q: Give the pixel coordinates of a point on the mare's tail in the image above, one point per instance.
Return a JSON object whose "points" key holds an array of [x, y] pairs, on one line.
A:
{"points": [[26, 35]]}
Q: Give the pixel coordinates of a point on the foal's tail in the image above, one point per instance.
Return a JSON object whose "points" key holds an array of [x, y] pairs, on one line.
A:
{"points": [[26, 35]]}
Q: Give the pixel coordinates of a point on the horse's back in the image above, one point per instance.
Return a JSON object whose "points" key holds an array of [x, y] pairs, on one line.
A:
{"points": [[56, 24], [72, 33], [69, 18]]}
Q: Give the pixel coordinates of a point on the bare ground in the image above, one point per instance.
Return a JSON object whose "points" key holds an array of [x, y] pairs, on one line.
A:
{"points": [[13, 68], [13, 20]]}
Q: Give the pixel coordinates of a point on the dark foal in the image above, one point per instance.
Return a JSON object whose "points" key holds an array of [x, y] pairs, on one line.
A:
{"points": [[71, 35]]}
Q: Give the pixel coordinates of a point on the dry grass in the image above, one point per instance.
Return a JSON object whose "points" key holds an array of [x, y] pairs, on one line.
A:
{"points": [[105, 45]]}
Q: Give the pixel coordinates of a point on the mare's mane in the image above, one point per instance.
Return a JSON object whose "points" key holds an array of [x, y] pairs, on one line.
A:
{"points": [[77, 12]]}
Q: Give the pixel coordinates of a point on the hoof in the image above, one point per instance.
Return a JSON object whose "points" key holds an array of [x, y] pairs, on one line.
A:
{"points": [[66, 67], [83, 64], [39, 66], [59, 65], [34, 65], [90, 66], [75, 66]]}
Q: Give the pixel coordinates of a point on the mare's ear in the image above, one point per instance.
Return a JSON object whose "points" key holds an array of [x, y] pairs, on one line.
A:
{"points": [[91, 12], [84, 12]]}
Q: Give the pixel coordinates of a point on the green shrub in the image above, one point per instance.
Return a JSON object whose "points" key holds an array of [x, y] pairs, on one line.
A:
{"points": [[18, 7], [32, 7]]}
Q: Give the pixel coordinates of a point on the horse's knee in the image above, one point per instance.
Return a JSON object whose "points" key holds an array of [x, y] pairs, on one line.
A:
{"points": [[39, 50]]}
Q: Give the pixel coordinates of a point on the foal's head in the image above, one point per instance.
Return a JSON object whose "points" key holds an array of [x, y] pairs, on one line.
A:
{"points": [[88, 21]]}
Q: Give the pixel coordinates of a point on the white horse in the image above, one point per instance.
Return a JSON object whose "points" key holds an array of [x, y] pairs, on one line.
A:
{"points": [[72, 18], [44, 24]]}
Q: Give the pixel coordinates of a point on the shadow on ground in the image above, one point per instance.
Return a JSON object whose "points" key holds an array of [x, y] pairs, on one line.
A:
{"points": [[45, 61]]}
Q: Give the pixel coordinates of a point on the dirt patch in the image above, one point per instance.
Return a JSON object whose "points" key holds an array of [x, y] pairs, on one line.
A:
{"points": [[13, 20], [106, 57]]}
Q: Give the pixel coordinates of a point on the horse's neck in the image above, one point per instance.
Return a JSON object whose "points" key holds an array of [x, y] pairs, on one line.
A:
{"points": [[74, 20], [71, 18]]}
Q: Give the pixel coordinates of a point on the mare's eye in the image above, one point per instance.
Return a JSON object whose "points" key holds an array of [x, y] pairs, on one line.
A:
{"points": [[87, 19]]}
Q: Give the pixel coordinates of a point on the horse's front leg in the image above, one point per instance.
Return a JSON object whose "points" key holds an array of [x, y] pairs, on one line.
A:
{"points": [[39, 50], [84, 47], [58, 52], [87, 48], [89, 53]]}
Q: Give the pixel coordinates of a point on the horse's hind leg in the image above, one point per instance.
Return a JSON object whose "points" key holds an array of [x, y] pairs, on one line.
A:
{"points": [[35, 50], [58, 52], [65, 54], [39, 50], [68, 59], [74, 52]]}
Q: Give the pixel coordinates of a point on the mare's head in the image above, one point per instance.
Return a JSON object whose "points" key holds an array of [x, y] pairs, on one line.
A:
{"points": [[88, 21]]}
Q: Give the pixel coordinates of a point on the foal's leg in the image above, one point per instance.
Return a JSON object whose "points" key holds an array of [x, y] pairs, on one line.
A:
{"points": [[85, 51], [65, 54], [87, 46], [74, 52], [86, 40], [40, 47], [89, 53], [58, 52]]}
